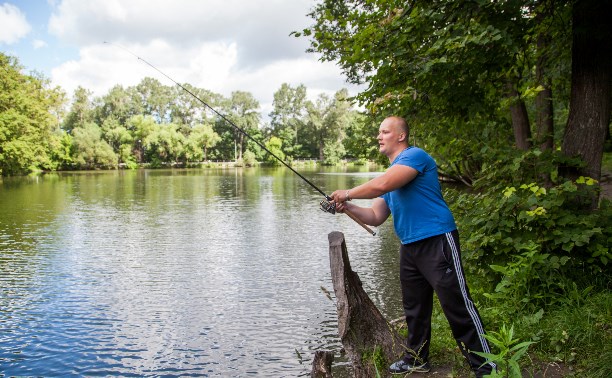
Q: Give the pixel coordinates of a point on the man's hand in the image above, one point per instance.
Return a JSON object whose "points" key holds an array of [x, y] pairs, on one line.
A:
{"points": [[341, 206], [340, 196]]}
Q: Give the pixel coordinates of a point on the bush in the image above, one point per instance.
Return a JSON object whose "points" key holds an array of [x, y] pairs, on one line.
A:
{"points": [[249, 158], [534, 241], [528, 231]]}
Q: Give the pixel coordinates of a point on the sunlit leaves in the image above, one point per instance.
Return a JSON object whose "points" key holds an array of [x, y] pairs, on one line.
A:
{"points": [[28, 120]]}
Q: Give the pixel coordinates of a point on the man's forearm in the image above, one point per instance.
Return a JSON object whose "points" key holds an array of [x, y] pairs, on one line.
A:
{"points": [[366, 214]]}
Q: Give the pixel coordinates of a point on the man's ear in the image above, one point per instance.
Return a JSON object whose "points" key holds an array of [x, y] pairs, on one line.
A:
{"points": [[402, 137]]}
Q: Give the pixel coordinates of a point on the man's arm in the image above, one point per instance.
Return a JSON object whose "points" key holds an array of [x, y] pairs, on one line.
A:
{"points": [[394, 178], [373, 216]]}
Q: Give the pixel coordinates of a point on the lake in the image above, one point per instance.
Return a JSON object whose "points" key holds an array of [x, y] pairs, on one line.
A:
{"points": [[186, 272]]}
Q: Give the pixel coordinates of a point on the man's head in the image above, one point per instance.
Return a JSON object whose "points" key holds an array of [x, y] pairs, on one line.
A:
{"points": [[392, 136]]}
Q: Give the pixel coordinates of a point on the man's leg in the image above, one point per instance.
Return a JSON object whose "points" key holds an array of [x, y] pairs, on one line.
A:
{"points": [[417, 299], [463, 317]]}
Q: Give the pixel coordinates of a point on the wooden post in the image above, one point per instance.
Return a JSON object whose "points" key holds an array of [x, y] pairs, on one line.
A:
{"points": [[321, 364], [365, 333]]}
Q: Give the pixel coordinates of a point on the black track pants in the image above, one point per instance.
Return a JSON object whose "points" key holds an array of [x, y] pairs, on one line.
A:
{"points": [[434, 264]]}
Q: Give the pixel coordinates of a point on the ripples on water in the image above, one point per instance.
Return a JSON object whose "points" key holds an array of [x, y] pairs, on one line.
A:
{"points": [[202, 273]]}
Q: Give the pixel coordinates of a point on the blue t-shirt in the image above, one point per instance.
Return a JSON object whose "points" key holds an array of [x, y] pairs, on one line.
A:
{"points": [[418, 209]]}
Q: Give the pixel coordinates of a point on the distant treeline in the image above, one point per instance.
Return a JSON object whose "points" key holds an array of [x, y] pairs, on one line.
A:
{"points": [[155, 124]]}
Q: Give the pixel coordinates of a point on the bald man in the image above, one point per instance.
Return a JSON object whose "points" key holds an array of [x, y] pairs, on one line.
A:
{"points": [[430, 257]]}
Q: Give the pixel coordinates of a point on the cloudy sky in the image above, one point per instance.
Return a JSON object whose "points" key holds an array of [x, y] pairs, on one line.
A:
{"points": [[220, 45]]}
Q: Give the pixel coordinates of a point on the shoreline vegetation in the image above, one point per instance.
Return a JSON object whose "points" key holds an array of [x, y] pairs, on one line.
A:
{"points": [[219, 164]]}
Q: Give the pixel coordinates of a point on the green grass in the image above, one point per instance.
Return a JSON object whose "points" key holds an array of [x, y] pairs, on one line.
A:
{"points": [[576, 334], [580, 334]]}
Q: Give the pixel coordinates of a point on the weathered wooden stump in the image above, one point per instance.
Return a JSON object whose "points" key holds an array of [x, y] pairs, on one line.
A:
{"points": [[365, 334], [321, 364]]}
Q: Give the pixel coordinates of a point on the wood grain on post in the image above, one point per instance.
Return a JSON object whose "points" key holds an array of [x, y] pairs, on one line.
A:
{"points": [[361, 327]]}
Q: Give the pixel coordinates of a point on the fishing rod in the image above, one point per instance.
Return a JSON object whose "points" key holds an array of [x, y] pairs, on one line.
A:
{"points": [[326, 205]]}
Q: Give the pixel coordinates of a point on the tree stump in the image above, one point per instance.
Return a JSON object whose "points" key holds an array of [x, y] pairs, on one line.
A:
{"points": [[321, 364], [370, 341]]}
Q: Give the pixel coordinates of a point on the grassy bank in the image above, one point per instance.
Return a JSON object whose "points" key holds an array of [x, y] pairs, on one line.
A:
{"points": [[572, 338]]}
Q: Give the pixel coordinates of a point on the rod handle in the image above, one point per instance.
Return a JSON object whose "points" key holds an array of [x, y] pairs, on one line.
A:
{"points": [[354, 217]]}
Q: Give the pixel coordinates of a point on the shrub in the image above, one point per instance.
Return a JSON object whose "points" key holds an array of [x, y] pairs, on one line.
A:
{"points": [[534, 242]]}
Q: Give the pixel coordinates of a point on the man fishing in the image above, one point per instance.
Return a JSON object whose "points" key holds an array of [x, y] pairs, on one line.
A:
{"points": [[429, 252]]}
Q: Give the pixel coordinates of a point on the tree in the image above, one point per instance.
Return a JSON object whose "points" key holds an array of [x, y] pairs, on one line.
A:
{"points": [[120, 139], [274, 145], [155, 98], [141, 127], [201, 139], [591, 94], [327, 118], [478, 67], [165, 143], [29, 131], [287, 116], [360, 141], [242, 111], [81, 110], [120, 103], [187, 110], [91, 151]]}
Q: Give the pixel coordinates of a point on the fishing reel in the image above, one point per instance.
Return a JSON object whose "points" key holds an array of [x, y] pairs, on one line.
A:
{"points": [[328, 206]]}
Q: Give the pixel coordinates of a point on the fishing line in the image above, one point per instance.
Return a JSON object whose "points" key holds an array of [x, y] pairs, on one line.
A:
{"points": [[226, 120], [326, 205]]}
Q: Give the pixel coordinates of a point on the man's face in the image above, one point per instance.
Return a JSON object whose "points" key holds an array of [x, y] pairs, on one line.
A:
{"points": [[389, 137]]}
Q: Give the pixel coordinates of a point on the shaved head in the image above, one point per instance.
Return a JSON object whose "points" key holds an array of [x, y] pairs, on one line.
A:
{"points": [[398, 123], [392, 136]]}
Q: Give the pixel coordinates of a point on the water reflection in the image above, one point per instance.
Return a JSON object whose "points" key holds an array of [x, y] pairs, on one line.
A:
{"points": [[176, 272]]}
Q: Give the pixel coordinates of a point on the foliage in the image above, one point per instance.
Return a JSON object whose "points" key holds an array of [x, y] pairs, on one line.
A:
{"points": [[578, 329], [158, 124], [249, 158], [90, 149], [274, 145], [28, 125], [81, 110], [287, 118], [377, 359], [201, 139], [328, 119], [332, 152], [509, 353], [534, 241], [166, 143], [360, 141], [61, 154], [466, 72]]}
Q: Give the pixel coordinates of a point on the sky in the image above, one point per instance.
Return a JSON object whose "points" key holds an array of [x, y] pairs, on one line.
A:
{"points": [[219, 45]]}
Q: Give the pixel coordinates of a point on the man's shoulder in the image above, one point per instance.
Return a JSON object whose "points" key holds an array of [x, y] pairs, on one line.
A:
{"points": [[414, 154]]}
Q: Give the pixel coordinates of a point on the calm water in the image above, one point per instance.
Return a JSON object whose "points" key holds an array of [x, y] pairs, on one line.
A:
{"points": [[177, 272]]}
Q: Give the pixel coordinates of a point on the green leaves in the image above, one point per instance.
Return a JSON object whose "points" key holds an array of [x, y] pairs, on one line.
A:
{"points": [[27, 126], [534, 239], [510, 352]]}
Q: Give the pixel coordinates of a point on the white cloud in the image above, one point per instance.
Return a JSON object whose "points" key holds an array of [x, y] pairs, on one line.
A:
{"points": [[14, 24], [219, 45], [38, 44], [259, 28]]}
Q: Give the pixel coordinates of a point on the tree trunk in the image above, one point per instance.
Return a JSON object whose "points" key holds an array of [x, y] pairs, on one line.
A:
{"points": [[520, 119], [589, 114], [365, 333], [240, 146], [544, 102]]}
